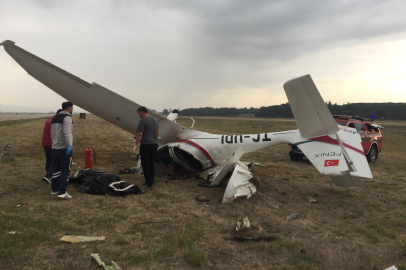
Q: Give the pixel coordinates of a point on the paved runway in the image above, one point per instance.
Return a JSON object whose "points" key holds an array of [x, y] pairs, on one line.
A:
{"points": [[4, 117]]}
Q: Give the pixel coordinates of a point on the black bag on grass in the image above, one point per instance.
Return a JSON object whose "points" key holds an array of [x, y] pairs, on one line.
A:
{"points": [[100, 183]]}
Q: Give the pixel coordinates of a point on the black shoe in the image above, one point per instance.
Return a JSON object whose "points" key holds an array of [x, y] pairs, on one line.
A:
{"points": [[46, 180], [145, 184]]}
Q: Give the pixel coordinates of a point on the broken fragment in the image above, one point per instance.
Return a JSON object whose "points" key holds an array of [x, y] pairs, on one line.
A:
{"points": [[202, 199], [217, 173], [293, 216], [114, 266], [311, 199], [239, 184], [243, 230], [79, 239]]}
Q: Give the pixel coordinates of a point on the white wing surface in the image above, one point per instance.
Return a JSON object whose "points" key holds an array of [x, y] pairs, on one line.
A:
{"points": [[94, 98]]}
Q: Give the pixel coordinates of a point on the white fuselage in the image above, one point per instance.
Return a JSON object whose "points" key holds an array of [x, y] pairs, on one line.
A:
{"points": [[211, 149]]}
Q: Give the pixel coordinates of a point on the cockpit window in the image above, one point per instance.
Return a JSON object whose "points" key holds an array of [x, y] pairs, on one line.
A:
{"points": [[360, 127], [371, 128], [341, 123]]}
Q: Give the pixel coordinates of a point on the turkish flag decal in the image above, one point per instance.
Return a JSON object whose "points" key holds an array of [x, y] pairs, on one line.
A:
{"points": [[331, 162]]}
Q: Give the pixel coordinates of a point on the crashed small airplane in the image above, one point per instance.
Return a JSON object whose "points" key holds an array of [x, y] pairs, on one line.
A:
{"points": [[334, 150]]}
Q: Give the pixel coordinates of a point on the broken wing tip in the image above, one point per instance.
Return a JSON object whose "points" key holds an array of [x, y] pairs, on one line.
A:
{"points": [[6, 42]]}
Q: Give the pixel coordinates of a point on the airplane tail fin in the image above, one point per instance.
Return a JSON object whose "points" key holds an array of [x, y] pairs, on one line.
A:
{"points": [[336, 152]]}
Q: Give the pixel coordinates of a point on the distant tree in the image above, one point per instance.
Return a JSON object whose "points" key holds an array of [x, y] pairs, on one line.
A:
{"points": [[165, 112]]}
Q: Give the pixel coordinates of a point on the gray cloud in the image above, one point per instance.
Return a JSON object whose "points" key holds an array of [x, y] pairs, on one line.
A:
{"points": [[282, 30], [178, 51]]}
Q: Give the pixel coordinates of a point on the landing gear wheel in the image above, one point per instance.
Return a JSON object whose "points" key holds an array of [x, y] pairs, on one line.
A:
{"points": [[295, 156], [373, 154]]}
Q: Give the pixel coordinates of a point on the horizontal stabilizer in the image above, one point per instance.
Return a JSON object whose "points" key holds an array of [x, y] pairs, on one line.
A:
{"points": [[340, 156], [311, 113], [94, 98]]}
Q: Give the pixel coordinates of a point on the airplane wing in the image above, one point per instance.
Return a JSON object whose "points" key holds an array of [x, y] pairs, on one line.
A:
{"points": [[93, 97]]}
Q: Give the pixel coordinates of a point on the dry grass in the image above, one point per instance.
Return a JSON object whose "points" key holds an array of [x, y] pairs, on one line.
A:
{"points": [[350, 228]]}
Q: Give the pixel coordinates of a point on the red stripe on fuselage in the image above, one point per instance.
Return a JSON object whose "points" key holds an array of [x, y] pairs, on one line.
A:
{"points": [[328, 139], [198, 147]]}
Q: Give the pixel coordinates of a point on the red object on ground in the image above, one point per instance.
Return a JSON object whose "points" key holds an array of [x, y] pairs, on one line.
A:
{"points": [[88, 158]]}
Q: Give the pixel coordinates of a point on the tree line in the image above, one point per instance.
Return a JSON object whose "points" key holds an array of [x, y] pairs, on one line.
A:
{"points": [[209, 111], [395, 111]]}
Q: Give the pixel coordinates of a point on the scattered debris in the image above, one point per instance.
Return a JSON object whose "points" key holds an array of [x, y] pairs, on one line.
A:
{"points": [[7, 147], [311, 199], [217, 173], [209, 185], [303, 251], [239, 184], [80, 239], [114, 266], [252, 165], [126, 170], [149, 222], [12, 232], [243, 230], [18, 205], [392, 268], [293, 216], [202, 199], [273, 205]]}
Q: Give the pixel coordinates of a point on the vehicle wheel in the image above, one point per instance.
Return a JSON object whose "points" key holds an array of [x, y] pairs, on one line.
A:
{"points": [[299, 157], [295, 156], [373, 154], [292, 156]]}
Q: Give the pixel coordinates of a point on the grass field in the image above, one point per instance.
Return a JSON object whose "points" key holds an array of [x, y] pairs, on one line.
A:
{"points": [[165, 228]]}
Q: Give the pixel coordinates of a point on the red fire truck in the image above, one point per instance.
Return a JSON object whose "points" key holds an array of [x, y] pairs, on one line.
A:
{"points": [[369, 131]]}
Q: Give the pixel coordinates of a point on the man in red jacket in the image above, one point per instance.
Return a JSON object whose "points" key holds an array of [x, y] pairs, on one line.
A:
{"points": [[47, 144]]}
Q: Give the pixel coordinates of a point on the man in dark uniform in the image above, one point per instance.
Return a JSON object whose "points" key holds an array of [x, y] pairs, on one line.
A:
{"points": [[62, 140], [147, 134]]}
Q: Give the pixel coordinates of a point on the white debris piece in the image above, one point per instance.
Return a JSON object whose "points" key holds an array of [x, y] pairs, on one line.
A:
{"points": [[219, 175], [242, 224], [216, 174], [392, 268], [239, 184]]}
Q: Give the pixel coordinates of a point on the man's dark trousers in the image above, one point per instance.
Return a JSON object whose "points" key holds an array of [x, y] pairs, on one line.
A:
{"points": [[49, 160], [148, 152], [62, 166]]}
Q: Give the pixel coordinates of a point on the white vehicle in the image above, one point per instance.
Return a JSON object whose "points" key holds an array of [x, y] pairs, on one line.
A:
{"points": [[334, 151]]}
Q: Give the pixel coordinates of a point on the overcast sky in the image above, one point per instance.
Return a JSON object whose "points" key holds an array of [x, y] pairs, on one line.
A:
{"points": [[183, 54]]}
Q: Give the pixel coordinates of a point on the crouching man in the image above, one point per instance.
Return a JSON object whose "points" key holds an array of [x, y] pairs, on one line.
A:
{"points": [[62, 139]]}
